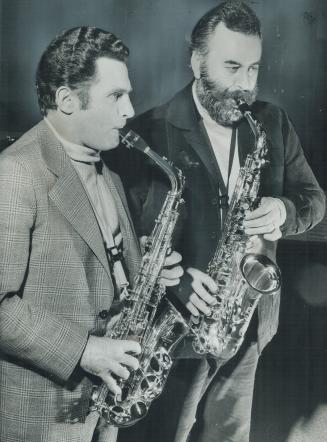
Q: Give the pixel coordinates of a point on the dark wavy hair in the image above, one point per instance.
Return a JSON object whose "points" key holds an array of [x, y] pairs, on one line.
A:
{"points": [[237, 16], [70, 60]]}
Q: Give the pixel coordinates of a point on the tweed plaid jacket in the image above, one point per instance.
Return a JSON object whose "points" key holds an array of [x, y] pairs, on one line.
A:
{"points": [[54, 281]]}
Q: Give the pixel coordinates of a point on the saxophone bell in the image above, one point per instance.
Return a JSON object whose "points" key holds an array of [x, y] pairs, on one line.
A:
{"points": [[261, 273]]}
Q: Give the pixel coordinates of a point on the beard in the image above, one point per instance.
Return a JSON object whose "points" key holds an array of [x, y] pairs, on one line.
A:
{"points": [[221, 103]]}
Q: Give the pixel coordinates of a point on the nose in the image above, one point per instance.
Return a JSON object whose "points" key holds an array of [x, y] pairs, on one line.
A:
{"points": [[245, 80], [127, 110]]}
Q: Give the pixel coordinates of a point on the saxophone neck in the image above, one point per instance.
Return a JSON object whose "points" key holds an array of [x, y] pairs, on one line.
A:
{"points": [[256, 127], [174, 174], [247, 113], [133, 141]]}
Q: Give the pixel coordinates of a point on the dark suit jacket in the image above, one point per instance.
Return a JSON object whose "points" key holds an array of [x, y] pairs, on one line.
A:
{"points": [[175, 131], [54, 281]]}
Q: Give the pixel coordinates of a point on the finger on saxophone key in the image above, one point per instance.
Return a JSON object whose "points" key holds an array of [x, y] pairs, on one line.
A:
{"points": [[172, 259], [112, 384], [118, 371], [201, 299], [103, 357], [171, 273], [199, 304], [203, 285], [131, 349], [266, 219]]}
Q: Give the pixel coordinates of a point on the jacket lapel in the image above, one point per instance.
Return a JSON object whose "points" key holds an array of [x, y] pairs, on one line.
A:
{"points": [[69, 196], [198, 139], [183, 115]]}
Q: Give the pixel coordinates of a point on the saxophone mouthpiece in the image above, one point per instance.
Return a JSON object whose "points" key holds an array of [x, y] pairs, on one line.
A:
{"points": [[242, 105], [132, 140]]}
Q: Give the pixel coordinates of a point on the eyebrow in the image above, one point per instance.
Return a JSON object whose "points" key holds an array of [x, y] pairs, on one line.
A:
{"points": [[120, 91], [235, 63]]}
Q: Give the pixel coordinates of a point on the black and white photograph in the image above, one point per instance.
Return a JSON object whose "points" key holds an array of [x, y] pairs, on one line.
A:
{"points": [[163, 226]]}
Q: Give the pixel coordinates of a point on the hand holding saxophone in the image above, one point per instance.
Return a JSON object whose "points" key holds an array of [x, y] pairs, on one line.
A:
{"points": [[266, 219], [171, 272], [109, 359], [201, 298]]}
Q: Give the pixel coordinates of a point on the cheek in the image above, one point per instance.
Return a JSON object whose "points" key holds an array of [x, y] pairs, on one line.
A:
{"points": [[221, 77], [102, 119], [107, 115], [215, 70]]}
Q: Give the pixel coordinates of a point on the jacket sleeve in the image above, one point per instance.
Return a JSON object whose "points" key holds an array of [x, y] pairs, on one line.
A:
{"points": [[303, 198], [28, 332]]}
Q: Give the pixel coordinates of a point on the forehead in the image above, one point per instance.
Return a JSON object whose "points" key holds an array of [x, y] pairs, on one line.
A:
{"points": [[111, 74], [227, 45]]}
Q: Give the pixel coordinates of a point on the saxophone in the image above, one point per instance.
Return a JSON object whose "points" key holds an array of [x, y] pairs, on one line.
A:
{"points": [[158, 332], [242, 278]]}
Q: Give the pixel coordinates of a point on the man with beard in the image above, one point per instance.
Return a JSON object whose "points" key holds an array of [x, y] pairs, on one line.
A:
{"points": [[203, 132]]}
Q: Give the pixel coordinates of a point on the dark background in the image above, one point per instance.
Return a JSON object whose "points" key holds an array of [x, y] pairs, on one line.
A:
{"points": [[293, 72], [291, 394]]}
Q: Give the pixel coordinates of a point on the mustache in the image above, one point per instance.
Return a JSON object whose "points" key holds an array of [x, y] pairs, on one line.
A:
{"points": [[225, 94]]}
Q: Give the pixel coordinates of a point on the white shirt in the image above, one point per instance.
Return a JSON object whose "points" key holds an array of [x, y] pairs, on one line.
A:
{"points": [[220, 139], [83, 159]]}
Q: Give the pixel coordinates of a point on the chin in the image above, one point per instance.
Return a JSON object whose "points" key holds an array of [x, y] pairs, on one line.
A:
{"points": [[110, 143], [105, 148]]}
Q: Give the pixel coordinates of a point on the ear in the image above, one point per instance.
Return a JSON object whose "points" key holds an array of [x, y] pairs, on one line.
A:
{"points": [[195, 64], [65, 100]]}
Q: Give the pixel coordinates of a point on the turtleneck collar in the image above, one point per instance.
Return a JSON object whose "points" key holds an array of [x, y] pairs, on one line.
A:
{"points": [[76, 152]]}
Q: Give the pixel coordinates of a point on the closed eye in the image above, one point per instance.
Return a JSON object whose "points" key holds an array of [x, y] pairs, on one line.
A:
{"points": [[233, 68], [117, 95], [254, 68]]}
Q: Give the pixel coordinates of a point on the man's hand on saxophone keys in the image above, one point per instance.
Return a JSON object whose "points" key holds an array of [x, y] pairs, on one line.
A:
{"points": [[201, 298], [267, 219], [110, 359], [171, 272]]}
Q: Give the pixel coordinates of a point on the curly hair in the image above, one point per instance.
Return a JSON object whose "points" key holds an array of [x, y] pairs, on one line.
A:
{"points": [[237, 16], [70, 60]]}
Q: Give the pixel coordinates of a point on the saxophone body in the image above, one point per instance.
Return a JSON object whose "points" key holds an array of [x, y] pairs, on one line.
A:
{"points": [[157, 329], [242, 278]]}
